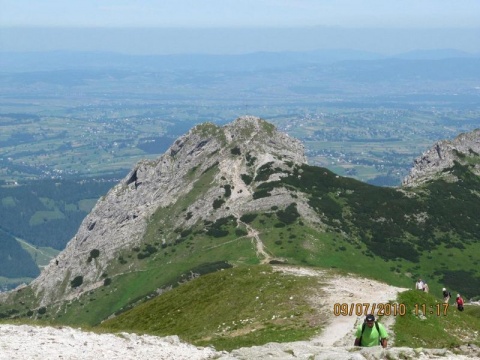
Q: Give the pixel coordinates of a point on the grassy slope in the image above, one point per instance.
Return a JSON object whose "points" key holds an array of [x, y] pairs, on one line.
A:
{"points": [[252, 305], [437, 327], [237, 307]]}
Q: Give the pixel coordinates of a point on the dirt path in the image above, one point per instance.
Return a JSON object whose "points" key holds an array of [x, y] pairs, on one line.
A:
{"points": [[262, 254], [351, 290]]}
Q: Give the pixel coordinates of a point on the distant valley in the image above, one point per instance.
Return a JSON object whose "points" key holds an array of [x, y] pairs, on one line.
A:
{"points": [[81, 120], [359, 114]]}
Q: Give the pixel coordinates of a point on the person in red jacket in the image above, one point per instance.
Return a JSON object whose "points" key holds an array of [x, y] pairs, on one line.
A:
{"points": [[459, 302]]}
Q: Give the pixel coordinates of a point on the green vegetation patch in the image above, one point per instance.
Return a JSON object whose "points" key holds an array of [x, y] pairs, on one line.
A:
{"points": [[264, 172], [235, 151], [289, 215], [41, 217], [247, 179], [221, 227], [243, 306], [8, 201], [461, 279], [429, 323]]}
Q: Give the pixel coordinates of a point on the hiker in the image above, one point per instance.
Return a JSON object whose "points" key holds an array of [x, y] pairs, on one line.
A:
{"points": [[371, 333], [446, 295], [425, 287], [459, 302], [419, 285]]}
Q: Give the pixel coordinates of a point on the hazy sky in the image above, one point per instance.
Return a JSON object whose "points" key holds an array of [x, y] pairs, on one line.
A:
{"points": [[426, 16], [241, 13]]}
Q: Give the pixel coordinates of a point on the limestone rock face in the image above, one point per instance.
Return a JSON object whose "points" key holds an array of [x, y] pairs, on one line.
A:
{"points": [[248, 148], [119, 220], [464, 149]]}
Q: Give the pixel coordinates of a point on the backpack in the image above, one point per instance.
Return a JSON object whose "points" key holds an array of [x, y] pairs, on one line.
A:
{"points": [[378, 330]]}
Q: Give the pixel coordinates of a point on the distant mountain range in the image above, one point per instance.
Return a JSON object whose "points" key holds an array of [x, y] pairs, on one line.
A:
{"points": [[63, 60]]}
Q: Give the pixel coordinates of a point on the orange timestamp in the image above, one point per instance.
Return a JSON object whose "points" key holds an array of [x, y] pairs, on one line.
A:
{"points": [[437, 309], [387, 309], [360, 309]]}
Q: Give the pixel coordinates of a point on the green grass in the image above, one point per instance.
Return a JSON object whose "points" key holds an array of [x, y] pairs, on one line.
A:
{"points": [[161, 270], [8, 202], [228, 309], [307, 246], [43, 216], [438, 328]]}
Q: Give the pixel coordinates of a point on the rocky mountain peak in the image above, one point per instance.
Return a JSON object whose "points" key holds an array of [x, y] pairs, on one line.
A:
{"points": [[464, 149], [228, 157]]}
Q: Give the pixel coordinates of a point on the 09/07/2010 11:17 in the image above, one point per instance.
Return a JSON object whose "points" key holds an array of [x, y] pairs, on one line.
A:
{"points": [[387, 309]]}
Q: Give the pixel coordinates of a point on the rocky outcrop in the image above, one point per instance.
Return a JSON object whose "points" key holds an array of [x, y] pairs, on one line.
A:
{"points": [[119, 220], [464, 149], [309, 350], [29, 342]]}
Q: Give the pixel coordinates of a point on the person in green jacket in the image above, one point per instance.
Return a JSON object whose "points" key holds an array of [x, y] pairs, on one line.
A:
{"points": [[371, 333]]}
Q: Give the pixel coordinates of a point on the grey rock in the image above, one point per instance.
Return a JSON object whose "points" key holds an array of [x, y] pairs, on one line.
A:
{"points": [[309, 351], [119, 220], [442, 155]]}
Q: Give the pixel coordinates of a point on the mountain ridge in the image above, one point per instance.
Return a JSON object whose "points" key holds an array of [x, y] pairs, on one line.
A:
{"points": [[255, 60], [464, 149], [243, 194], [141, 195]]}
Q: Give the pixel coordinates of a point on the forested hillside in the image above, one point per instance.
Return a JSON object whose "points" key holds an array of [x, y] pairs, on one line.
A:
{"points": [[48, 212], [14, 261], [44, 213]]}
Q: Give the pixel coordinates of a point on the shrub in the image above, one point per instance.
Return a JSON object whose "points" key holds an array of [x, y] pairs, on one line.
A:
{"points": [[185, 233], [247, 179], [240, 232], [217, 232], [77, 281], [228, 190], [217, 229], [261, 193], [289, 215], [94, 253], [147, 251], [107, 282], [248, 218], [236, 151], [217, 203], [42, 310], [250, 159], [264, 172]]}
